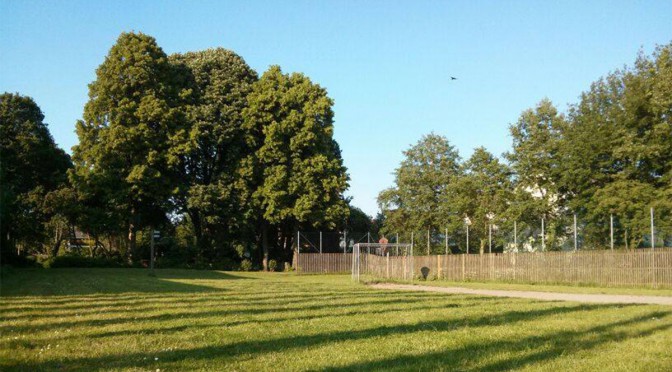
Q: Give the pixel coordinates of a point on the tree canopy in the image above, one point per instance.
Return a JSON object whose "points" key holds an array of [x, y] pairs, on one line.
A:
{"points": [[31, 167], [229, 166]]}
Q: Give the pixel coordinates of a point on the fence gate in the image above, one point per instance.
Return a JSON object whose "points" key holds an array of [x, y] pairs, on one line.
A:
{"points": [[383, 260]]}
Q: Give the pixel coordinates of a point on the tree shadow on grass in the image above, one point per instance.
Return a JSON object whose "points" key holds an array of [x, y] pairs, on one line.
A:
{"points": [[529, 350], [184, 313], [248, 348], [103, 282]]}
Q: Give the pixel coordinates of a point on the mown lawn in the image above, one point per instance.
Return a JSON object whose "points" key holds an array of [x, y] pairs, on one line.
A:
{"points": [[582, 289], [123, 319]]}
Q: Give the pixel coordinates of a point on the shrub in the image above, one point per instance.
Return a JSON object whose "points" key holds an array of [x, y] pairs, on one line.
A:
{"points": [[80, 261], [245, 265], [272, 265]]}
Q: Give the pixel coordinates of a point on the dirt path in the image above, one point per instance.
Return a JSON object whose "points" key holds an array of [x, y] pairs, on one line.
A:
{"points": [[545, 296]]}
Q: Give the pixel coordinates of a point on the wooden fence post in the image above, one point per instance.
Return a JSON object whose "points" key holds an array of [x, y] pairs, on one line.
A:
{"points": [[387, 260]]}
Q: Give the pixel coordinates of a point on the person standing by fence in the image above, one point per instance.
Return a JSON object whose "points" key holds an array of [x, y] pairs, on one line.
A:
{"points": [[383, 244]]}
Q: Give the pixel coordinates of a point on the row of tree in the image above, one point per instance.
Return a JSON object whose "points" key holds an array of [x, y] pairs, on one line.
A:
{"points": [[608, 155], [226, 164]]}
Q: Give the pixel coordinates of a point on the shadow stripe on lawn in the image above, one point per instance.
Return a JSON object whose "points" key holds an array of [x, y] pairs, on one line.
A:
{"points": [[561, 343], [248, 348]]}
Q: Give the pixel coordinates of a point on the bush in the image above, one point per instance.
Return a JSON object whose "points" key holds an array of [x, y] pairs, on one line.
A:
{"points": [[10, 259], [245, 265], [80, 261], [272, 265], [288, 267]]}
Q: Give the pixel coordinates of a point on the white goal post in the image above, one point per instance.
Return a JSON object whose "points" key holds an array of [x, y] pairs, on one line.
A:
{"points": [[374, 259]]}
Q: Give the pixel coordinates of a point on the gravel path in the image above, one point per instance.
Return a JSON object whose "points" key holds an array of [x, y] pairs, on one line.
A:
{"points": [[546, 296]]}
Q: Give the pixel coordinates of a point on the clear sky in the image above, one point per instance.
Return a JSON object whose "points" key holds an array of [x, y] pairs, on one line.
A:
{"points": [[387, 64]]}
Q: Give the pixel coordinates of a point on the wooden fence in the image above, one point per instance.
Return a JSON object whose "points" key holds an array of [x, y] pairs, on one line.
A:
{"points": [[325, 263], [608, 268]]}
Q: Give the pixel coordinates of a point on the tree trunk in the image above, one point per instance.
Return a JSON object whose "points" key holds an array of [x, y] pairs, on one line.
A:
{"points": [[197, 224], [58, 240], [132, 236], [291, 245], [264, 244]]}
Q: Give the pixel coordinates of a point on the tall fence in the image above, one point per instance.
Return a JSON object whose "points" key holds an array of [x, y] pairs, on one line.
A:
{"points": [[325, 263], [637, 268]]}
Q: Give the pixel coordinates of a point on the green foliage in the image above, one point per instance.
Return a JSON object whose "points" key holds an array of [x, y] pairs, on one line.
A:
{"points": [[206, 153], [617, 148], [295, 174], [80, 261], [422, 194], [246, 265], [298, 164], [483, 194], [272, 265], [611, 154], [31, 167], [121, 158]]}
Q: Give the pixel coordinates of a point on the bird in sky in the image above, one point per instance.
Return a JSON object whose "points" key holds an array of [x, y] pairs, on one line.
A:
{"points": [[453, 78]]}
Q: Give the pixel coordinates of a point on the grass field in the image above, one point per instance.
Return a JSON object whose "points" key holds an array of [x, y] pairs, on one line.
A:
{"points": [[583, 289], [123, 319]]}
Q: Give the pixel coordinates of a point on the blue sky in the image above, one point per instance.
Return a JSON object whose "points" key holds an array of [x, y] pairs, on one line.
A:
{"points": [[387, 64]]}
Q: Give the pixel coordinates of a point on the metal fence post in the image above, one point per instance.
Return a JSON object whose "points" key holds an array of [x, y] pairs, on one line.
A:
{"points": [[345, 241], [576, 246], [467, 239], [611, 230], [543, 236], [490, 238], [653, 247], [397, 244], [515, 236], [412, 259]]}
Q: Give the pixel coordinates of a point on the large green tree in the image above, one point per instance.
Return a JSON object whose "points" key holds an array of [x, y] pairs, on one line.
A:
{"points": [[206, 153], [483, 194], [132, 111], [617, 149], [422, 198], [534, 158], [295, 174], [31, 166]]}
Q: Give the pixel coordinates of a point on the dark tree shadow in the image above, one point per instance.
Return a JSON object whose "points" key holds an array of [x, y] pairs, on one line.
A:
{"points": [[561, 343], [443, 359], [102, 282]]}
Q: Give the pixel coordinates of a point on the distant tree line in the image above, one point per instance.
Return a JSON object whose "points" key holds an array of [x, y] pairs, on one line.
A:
{"points": [[227, 165], [609, 154]]}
